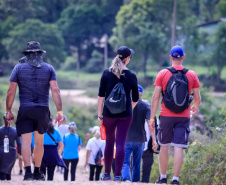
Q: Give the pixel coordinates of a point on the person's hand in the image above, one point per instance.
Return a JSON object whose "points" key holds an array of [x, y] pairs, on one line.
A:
{"points": [[102, 161], [59, 118], [154, 145], [9, 117], [194, 110], [151, 126], [100, 120], [86, 163], [20, 159]]}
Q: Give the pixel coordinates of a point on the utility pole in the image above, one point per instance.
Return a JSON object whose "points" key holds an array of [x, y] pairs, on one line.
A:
{"points": [[106, 52], [174, 23]]}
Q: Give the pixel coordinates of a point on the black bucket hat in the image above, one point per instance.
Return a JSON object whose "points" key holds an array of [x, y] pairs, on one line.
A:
{"points": [[33, 46]]}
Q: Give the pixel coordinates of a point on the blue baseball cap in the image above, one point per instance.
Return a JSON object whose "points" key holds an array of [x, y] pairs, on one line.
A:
{"points": [[140, 88], [177, 52], [124, 52]]}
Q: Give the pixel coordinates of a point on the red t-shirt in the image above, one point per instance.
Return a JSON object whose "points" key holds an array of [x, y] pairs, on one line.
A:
{"points": [[162, 80]]}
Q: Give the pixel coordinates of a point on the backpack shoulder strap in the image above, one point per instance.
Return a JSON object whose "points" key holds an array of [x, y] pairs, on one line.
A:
{"points": [[185, 70], [52, 138], [172, 70]]}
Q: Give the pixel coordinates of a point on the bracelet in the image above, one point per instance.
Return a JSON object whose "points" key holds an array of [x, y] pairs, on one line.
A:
{"points": [[100, 117], [60, 112], [152, 120]]}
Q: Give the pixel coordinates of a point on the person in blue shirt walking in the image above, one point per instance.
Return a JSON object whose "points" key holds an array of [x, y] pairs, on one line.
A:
{"points": [[53, 147], [72, 145]]}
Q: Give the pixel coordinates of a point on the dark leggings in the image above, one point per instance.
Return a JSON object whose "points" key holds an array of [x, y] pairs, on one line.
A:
{"points": [[74, 163], [122, 125], [92, 171], [50, 172], [4, 176]]}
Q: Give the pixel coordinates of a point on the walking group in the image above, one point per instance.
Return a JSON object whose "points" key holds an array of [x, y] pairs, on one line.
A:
{"points": [[130, 123]]}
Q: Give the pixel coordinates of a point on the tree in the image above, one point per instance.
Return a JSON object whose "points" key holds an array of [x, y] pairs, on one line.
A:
{"points": [[46, 34], [84, 23], [5, 27], [146, 27], [49, 11], [219, 54], [221, 9]]}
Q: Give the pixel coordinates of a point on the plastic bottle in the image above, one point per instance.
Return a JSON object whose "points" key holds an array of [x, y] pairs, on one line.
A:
{"points": [[6, 144], [191, 114], [103, 132], [87, 167]]}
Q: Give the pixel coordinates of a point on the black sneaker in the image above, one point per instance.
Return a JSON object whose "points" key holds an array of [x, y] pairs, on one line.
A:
{"points": [[28, 177], [21, 172], [39, 176], [161, 181], [175, 182]]}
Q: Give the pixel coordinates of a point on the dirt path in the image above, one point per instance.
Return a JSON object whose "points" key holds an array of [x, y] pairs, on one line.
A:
{"points": [[82, 177], [77, 96]]}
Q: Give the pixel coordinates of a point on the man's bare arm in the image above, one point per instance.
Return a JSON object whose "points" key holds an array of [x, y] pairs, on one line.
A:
{"points": [[155, 101], [10, 96], [56, 95], [197, 101]]}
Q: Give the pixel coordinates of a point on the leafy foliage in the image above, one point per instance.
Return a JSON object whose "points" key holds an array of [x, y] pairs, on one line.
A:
{"points": [[84, 117], [46, 34]]}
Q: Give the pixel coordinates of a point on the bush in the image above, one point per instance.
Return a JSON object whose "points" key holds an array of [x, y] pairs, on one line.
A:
{"points": [[205, 164], [96, 63], [84, 117]]}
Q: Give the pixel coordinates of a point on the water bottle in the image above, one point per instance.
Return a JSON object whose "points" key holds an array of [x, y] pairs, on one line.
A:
{"points": [[87, 167], [6, 144], [103, 132], [191, 114]]}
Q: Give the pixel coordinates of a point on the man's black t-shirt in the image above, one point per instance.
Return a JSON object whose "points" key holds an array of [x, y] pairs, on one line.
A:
{"points": [[141, 113], [107, 83]]}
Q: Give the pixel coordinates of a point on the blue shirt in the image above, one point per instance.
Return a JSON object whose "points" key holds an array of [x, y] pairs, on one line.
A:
{"points": [[33, 83], [56, 135], [71, 143]]}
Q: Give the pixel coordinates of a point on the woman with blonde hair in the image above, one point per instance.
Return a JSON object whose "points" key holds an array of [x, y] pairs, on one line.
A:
{"points": [[117, 73], [94, 147]]}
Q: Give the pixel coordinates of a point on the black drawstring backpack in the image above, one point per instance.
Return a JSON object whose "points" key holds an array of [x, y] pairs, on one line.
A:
{"points": [[116, 101]]}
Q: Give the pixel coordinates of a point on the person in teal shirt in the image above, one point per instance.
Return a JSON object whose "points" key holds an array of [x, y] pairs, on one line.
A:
{"points": [[72, 145], [53, 147]]}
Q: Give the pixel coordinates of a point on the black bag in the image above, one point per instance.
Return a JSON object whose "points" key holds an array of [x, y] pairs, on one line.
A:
{"points": [[176, 97], [116, 101]]}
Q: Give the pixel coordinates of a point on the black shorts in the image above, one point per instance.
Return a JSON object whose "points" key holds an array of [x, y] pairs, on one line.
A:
{"points": [[30, 119]]}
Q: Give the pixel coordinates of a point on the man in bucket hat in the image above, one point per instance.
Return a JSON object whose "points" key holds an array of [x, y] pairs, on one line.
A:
{"points": [[34, 78]]}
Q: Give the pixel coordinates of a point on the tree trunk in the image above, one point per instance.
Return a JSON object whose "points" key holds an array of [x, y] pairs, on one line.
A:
{"points": [[78, 61], [219, 69], [145, 57]]}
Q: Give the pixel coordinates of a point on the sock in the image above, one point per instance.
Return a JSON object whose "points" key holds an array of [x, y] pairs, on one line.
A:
{"points": [[163, 176], [37, 170], [175, 178], [27, 169]]}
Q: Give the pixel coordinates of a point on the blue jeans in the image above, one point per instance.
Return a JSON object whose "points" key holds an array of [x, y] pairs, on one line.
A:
{"points": [[136, 149]]}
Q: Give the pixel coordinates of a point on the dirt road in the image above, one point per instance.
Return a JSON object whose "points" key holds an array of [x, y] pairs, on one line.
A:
{"points": [[77, 96], [82, 177]]}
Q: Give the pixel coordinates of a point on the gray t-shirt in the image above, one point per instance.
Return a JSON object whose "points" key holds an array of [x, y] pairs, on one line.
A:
{"points": [[141, 113], [33, 83]]}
